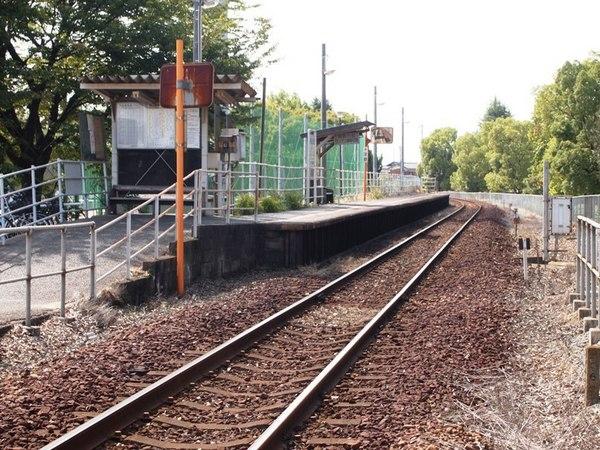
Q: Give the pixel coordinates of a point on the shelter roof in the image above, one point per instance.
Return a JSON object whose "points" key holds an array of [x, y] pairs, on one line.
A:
{"points": [[342, 134], [228, 89]]}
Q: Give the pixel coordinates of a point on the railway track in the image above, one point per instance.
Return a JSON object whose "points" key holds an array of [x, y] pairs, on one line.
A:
{"points": [[255, 389]]}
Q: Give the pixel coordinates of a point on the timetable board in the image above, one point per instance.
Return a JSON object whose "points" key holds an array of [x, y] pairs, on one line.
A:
{"points": [[145, 127]]}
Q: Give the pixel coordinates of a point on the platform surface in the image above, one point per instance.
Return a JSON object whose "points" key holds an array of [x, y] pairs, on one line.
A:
{"points": [[333, 212], [46, 251]]}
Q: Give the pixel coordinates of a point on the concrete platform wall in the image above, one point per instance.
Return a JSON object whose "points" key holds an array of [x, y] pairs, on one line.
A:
{"points": [[222, 250]]}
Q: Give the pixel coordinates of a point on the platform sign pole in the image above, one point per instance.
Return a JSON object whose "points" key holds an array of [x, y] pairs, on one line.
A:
{"points": [[179, 150], [546, 212]]}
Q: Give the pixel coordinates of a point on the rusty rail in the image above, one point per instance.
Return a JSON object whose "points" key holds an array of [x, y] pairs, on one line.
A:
{"points": [[99, 429]]}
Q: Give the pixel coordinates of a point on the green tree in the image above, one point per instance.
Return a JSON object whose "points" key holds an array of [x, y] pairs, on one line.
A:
{"points": [[566, 130], [509, 153], [47, 45], [436, 156], [496, 110], [471, 164]]}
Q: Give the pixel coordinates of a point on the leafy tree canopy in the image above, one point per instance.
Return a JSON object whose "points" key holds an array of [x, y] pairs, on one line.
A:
{"points": [[566, 130], [47, 45], [496, 110], [292, 104], [436, 156], [471, 164], [509, 153]]}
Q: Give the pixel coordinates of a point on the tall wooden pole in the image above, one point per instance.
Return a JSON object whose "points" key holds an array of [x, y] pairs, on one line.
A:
{"points": [[180, 153]]}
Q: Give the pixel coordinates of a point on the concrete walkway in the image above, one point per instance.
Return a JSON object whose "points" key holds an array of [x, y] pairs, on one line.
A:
{"points": [[45, 292]]}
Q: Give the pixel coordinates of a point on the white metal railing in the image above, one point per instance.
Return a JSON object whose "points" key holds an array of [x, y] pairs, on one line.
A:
{"points": [[587, 275], [587, 206], [532, 203], [215, 192], [26, 200], [154, 202], [28, 276]]}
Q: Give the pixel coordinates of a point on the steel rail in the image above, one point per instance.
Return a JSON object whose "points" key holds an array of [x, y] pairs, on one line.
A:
{"points": [[307, 401], [100, 428]]}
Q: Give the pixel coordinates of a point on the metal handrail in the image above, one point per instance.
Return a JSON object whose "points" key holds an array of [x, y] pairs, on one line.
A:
{"points": [[28, 277]]}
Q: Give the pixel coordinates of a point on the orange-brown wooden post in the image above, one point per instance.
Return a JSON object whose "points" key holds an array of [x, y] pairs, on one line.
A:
{"points": [[180, 153]]}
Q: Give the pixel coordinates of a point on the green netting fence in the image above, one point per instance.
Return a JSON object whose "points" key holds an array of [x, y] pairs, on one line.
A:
{"points": [[349, 157]]}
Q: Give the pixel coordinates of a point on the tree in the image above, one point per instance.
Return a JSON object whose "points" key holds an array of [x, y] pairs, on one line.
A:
{"points": [[496, 110], [436, 156], [509, 153], [47, 45], [471, 164], [566, 130]]}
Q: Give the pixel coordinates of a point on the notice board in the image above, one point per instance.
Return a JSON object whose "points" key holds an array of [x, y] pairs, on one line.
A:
{"points": [[146, 127]]}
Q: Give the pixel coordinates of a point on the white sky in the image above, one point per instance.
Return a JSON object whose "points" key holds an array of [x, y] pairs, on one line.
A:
{"points": [[443, 61]]}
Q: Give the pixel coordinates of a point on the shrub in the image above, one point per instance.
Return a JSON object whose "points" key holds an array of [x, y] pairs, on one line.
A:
{"points": [[293, 200], [272, 203], [376, 194], [244, 205]]}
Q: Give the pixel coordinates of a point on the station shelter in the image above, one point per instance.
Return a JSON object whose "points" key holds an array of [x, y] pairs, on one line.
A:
{"points": [[143, 133]]}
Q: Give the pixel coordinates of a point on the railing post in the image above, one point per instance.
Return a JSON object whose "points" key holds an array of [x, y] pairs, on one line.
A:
{"points": [[105, 179], [279, 139], [33, 194], [578, 264], [219, 195], [92, 261], [2, 209], [228, 210], [256, 179], [195, 206], [586, 279], [61, 188], [28, 250], [128, 247], [63, 272], [156, 225], [84, 189], [593, 284], [203, 182]]}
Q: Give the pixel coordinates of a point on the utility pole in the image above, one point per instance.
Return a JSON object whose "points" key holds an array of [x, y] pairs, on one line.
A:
{"points": [[402, 149], [262, 134], [323, 87], [546, 215], [375, 121], [197, 31]]}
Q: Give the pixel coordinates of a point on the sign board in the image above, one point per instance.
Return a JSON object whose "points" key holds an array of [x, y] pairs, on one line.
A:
{"points": [[383, 135], [560, 218], [73, 178], [199, 93], [524, 244], [91, 137], [147, 127], [352, 137]]}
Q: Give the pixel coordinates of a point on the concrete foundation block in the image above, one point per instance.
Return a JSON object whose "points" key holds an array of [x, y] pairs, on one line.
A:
{"points": [[589, 323], [572, 296], [584, 312], [594, 336], [31, 331], [592, 375], [578, 304]]}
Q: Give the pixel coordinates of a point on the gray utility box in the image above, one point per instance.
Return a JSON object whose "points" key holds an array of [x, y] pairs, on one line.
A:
{"points": [[560, 217]]}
